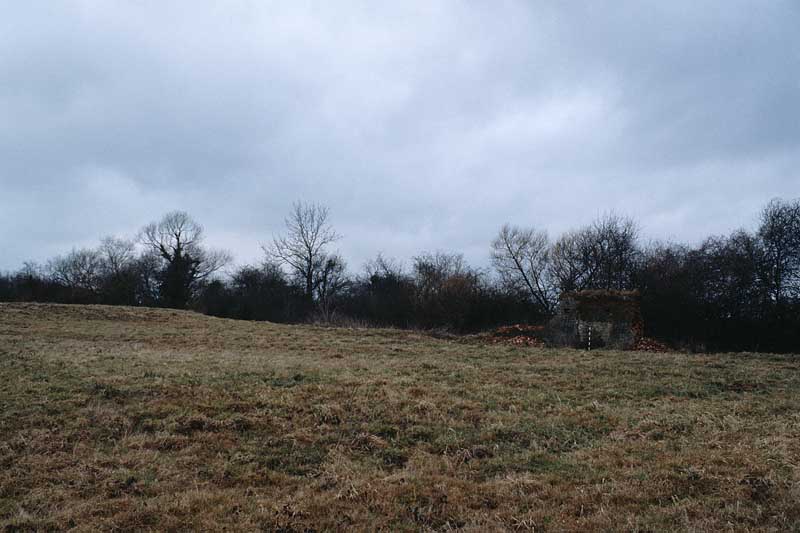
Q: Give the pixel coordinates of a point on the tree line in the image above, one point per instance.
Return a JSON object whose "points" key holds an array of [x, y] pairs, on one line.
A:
{"points": [[734, 292]]}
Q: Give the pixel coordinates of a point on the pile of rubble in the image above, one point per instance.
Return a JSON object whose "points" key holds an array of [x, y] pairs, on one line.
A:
{"points": [[648, 344], [518, 335]]}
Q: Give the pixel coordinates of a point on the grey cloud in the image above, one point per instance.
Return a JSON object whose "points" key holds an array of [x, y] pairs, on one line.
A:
{"points": [[423, 125]]}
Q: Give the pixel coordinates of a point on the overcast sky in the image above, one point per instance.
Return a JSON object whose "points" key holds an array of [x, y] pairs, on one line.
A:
{"points": [[423, 125]]}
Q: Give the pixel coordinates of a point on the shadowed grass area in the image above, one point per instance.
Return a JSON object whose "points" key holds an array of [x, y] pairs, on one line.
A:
{"points": [[121, 418]]}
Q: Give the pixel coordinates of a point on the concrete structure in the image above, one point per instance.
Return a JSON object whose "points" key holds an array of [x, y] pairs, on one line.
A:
{"points": [[598, 318]]}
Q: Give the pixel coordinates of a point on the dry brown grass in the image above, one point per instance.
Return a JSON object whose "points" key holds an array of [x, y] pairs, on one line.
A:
{"points": [[119, 419]]}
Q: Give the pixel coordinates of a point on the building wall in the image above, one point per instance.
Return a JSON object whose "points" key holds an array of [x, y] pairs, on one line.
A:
{"points": [[612, 317]]}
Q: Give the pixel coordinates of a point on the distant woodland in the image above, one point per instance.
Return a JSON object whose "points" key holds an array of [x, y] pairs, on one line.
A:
{"points": [[736, 292]]}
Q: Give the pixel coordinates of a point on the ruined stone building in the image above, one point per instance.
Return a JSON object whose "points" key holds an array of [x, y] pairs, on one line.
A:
{"points": [[610, 319]]}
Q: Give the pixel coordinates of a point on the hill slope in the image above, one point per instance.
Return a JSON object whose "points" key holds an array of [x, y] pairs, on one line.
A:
{"points": [[156, 419]]}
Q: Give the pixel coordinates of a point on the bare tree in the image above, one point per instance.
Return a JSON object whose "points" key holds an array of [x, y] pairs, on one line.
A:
{"points": [[123, 276], [522, 258], [178, 240], [149, 269], [176, 234], [302, 248], [81, 269], [384, 267], [117, 254], [31, 270], [780, 235], [603, 255], [331, 281], [433, 270], [570, 266], [615, 251]]}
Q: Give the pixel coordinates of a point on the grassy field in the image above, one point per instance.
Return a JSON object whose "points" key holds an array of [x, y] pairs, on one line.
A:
{"points": [[121, 418]]}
